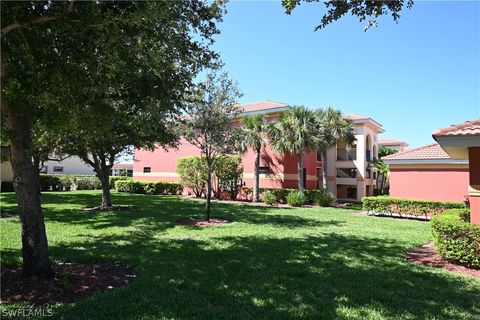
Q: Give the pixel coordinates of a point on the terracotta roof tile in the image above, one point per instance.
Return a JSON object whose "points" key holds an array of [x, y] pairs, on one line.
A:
{"points": [[262, 105], [467, 128], [390, 140], [122, 166], [356, 117], [428, 152]]}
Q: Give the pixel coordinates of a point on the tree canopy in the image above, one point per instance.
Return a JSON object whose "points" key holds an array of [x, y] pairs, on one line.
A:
{"points": [[363, 9]]}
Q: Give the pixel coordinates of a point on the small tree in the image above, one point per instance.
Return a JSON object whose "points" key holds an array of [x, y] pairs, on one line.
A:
{"points": [[382, 169], [211, 110], [193, 174], [296, 132], [254, 132]]}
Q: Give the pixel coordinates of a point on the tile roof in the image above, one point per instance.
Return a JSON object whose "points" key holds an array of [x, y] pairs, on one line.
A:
{"points": [[262, 105], [123, 166], [429, 152], [390, 140], [356, 117], [467, 128]]}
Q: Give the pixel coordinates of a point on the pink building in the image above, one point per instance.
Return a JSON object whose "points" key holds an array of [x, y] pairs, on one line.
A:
{"points": [[427, 173], [350, 173], [462, 141]]}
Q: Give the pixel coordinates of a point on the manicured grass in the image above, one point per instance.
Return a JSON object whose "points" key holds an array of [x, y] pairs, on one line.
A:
{"points": [[272, 263]]}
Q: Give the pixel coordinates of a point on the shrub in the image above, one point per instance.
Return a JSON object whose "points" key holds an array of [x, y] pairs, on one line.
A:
{"points": [[193, 174], [147, 187], [296, 198], [50, 182], [280, 194], [229, 172], [114, 179], [7, 186], [406, 206], [457, 240], [269, 197], [86, 183], [324, 198]]}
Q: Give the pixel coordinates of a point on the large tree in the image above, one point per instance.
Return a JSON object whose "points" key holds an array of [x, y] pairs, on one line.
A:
{"points": [[296, 133], [64, 63], [363, 9], [254, 129], [211, 110]]}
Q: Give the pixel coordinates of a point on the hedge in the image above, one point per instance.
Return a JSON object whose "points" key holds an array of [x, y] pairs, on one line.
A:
{"points": [[312, 196], [146, 187], [455, 239], [56, 182], [405, 206]]}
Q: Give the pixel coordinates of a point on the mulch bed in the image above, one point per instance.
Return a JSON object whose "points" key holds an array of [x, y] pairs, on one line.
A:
{"points": [[112, 208], [72, 281], [427, 255], [203, 223]]}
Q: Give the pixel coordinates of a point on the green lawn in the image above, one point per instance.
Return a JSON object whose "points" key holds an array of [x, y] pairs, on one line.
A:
{"points": [[272, 263]]}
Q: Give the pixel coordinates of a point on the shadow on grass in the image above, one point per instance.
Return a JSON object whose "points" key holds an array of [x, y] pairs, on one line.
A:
{"points": [[324, 277]]}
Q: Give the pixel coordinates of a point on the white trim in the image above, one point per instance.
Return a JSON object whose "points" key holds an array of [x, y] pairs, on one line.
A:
{"points": [[458, 141], [424, 161]]}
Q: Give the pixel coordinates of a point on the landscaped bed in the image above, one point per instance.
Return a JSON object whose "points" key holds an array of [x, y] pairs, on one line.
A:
{"points": [[271, 263]]}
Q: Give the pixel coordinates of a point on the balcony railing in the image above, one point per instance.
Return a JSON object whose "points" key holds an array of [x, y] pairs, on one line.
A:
{"points": [[346, 155]]}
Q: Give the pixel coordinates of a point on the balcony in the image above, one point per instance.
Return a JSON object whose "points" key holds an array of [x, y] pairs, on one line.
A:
{"points": [[346, 155]]}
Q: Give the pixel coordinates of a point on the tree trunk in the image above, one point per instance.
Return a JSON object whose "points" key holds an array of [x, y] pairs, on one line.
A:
{"points": [[301, 183], [324, 170], [26, 181], [256, 186], [104, 178], [209, 194]]}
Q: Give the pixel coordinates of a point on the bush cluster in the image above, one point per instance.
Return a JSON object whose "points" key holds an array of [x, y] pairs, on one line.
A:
{"points": [[407, 206], [455, 239], [296, 198], [311, 196], [56, 182], [269, 197], [146, 187]]}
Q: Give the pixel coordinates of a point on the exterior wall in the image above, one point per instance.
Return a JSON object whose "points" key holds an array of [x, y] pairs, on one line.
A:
{"points": [[71, 165], [429, 183], [283, 169], [6, 173], [363, 184], [474, 184]]}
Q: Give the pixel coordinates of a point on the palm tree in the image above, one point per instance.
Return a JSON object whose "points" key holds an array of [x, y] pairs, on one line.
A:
{"points": [[334, 127], [254, 129], [296, 132]]}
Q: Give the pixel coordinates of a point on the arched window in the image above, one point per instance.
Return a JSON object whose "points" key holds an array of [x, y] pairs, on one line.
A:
{"points": [[368, 148]]}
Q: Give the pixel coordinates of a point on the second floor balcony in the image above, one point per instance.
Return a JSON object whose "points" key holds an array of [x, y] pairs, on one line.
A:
{"points": [[346, 154]]}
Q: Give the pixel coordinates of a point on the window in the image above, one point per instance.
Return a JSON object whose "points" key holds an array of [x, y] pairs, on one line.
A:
{"points": [[346, 172], [319, 177], [319, 156], [57, 169], [147, 169], [264, 170], [346, 191]]}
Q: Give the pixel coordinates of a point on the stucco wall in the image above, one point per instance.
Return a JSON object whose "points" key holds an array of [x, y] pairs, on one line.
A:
{"points": [[71, 165], [6, 173], [429, 184]]}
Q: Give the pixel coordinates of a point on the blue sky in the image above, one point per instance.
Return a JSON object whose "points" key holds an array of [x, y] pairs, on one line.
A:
{"points": [[413, 77]]}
